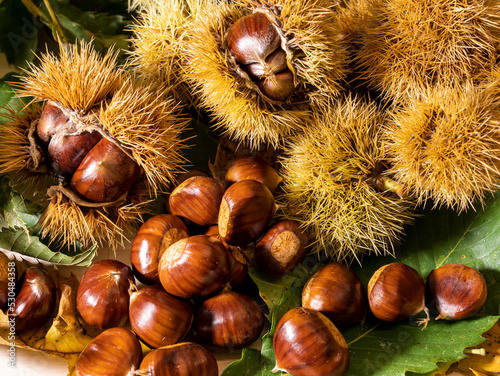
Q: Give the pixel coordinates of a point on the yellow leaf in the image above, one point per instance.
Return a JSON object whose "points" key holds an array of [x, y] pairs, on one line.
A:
{"points": [[488, 364]]}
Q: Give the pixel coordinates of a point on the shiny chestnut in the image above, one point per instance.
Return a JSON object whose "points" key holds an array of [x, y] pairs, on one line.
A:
{"points": [[194, 267], [395, 292], [238, 265], [456, 290], [197, 200], [229, 321], [246, 210], [35, 301], [282, 248], [158, 318], [181, 359], [114, 352], [105, 174], [151, 240], [307, 343], [255, 44], [253, 168], [102, 298], [338, 293]]}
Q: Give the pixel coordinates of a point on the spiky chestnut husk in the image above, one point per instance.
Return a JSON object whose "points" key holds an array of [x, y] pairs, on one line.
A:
{"points": [[406, 46], [335, 184], [314, 55], [444, 147], [125, 111], [159, 36]]}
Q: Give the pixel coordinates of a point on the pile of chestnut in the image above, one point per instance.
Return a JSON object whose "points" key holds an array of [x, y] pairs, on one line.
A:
{"points": [[189, 261], [334, 298]]}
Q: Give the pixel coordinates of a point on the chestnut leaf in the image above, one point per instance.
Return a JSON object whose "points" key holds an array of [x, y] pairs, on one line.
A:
{"points": [[18, 231]]}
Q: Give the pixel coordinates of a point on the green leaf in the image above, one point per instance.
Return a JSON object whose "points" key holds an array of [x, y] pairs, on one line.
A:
{"points": [[7, 97], [19, 30], [387, 349], [18, 227], [107, 31], [25, 244]]}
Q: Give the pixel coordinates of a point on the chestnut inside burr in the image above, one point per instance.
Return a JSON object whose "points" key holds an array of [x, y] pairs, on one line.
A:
{"points": [[255, 44], [98, 169]]}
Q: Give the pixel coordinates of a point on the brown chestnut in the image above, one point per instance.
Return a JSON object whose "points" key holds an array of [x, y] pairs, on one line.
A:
{"points": [[35, 301], [197, 199], [307, 343], [246, 210], [195, 266], [338, 293], [254, 168], [67, 151], [255, 44], [237, 264], [229, 320], [66, 145], [102, 297], [152, 239], [252, 38], [181, 359], [457, 291], [158, 318], [281, 248], [395, 292], [51, 121], [105, 174], [114, 352]]}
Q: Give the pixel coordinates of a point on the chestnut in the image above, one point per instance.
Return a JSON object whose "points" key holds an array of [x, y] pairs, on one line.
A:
{"points": [[194, 267], [237, 264], [395, 292], [102, 297], [114, 352], [181, 359], [35, 301], [338, 293], [254, 168], [197, 199], [151, 240], [254, 42], [66, 146], [246, 210], [457, 291], [51, 120], [105, 174], [307, 343], [281, 248], [229, 321], [158, 318], [252, 38]]}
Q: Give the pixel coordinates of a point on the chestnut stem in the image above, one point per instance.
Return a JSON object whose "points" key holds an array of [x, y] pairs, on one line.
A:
{"points": [[53, 16]]}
